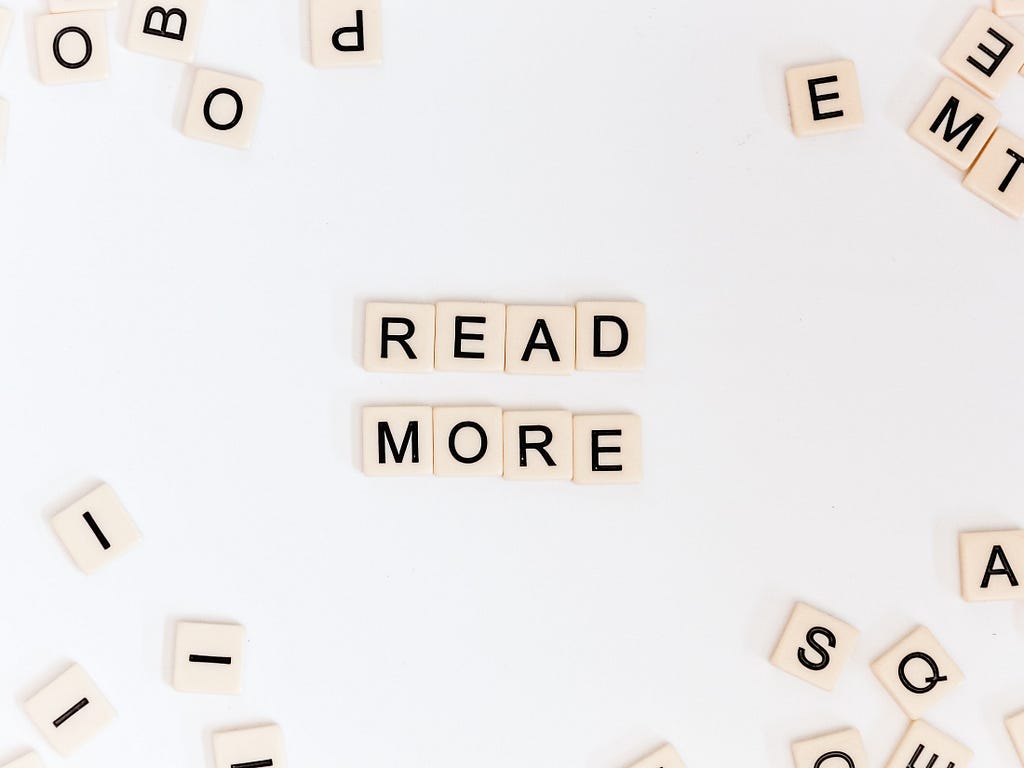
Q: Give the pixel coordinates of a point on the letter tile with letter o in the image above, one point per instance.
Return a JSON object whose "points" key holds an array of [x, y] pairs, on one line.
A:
{"points": [[824, 98], [843, 749], [955, 124], [260, 747], [815, 646], [917, 672], [345, 33], [467, 442], [70, 711], [663, 757], [610, 336], [926, 747], [223, 109], [166, 28], [72, 47], [607, 449], [208, 657], [398, 441], [399, 338]]}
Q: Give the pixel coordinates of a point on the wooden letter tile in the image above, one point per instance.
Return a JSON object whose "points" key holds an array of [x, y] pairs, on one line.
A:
{"points": [[815, 647], [664, 757], [223, 109], [96, 529], [924, 746], [998, 176], [467, 442], [166, 29], [918, 673], [824, 98], [955, 124], [538, 445], [987, 54], [399, 338], [991, 565], [607, 449], [470, 337], [208, 657], [72, 47], [70, 711], [31, 760], [845, 749], [610, 336], [540, 340], [261, 747], [398, 441]]}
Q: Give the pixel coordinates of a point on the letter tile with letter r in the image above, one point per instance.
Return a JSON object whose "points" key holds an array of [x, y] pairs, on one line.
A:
{"points": [[815, 647], [467, 441], [610, 336], [72, 47], [345, 33], [926, 747], [259, 747], [166, 28], [843, 749], [208, 657], [398, 338], [824, 98], [398, 441], [538, 445], [955, 124], [96, 529], [31, 760], [998, 175], [223, 109], [992, 565], [540, 340], [917, 672], [470, 336], [607, 449], [988, 53], [663, 757], [70, 711]]}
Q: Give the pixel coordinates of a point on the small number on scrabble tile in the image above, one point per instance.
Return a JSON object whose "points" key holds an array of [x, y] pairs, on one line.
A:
{"points": [[6, 20], [468, 441], [208, 657], [399, 338], [31, 760], [470, 337], [538, 445], [70, 711], [988, 53], [815, 646], [607, 449], [398, 441], [166, 29], [918, 673], [223, 109], [955, 124], [924, 746], [998, 174], [610, 336], [540, 340], [96, 529], [845, 749], [260, 747], [824, 98], [345, 33], [664, 757], [72, 47]]}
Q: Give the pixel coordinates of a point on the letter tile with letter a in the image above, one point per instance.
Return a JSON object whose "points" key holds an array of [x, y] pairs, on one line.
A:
{"points": [[607, 449], [824, 98], [992, 565], [988, 53], [72, 47], [96, 529], [664, 757], [955, 124], [998, 176], [166, 28], [1015, 727], [538, 445], [843, 749], [260, 747], [70, 711], [345, 33], [926, 747], [208, 657], [223, 109], [467, 442], [470, 337], [540, 340], [31, 760], [815, 646], [610, 336], [918, 673], [398, 441], [399, 338]]}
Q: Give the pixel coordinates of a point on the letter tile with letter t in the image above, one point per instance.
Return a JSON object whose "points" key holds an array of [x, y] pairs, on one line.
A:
{"points": [[467, 441], [398, 338], [926, 747], [917, 672], [259, 747], [991, 565], [31, 760], [998, 175], [470, 336], [70, 711], [843, 749], [815, 646], [663, 757], [610, 336], [223, 109], [398, 441], [540, 340], [824, 98], [988, 53], [538, 445], [345, 33], [607, 449], [955, 124], [169, 30], [72, 47], [96, 529]]}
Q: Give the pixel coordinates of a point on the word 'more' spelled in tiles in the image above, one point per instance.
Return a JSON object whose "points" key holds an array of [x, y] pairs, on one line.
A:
{"points": [[70, 711], [96, 529]]}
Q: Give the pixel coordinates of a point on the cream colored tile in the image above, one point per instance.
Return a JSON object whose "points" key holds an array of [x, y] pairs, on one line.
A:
{"points": [[824, 98], [70, 711], [1015, 727], [607, 449], [223, 109], [6, 22], [1009, 7], [924, 746], [70, 6], [610, 336], [260, 747], [399, 338], [5, 118], [988, 53], [345, 33], [998, 175], [169, 30], [398, 441], [208, 658], [538, 445], [467, 442], [918, 673], [991, 565], [955, 124], [72, 47], [470, 336], [843, 749], [96, 529], [31, 760], [663, 757], [540, 340], [815, 646]]}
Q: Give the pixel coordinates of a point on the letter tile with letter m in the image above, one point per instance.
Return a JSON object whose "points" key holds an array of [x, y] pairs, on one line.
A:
{"points": [[398, 441], [815, 647], [166, 28], [955, 124]]}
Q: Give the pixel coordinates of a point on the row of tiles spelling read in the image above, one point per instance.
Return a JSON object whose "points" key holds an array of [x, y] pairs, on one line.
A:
{"points": [[490, 337]]}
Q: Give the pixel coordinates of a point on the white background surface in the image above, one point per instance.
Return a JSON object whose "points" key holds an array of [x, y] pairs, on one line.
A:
{"points": [[833, 389]]}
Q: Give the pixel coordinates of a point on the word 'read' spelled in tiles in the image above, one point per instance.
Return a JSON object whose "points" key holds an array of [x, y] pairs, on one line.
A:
{"points": [[70, 711], [607, 449], [610, 336], [398, 441], [223, 109], [208, 657], [990, 562], [1015, 727], [955, 124], [345, 33], [470, 336], [925, 746], [540, 340], [988, 53], [260, 747], [1009, 8], [538, 445], [6, 21], [72, 47], [96, 529], [467, 441], [31, 760], [169, 30], [824, 98], [917, 672], [399, 338], [815, 647], [663, 757], [68, 6], [997, 176], [843, 749]]}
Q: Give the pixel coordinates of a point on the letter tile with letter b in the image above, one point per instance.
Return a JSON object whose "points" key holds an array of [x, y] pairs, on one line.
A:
{"points": [[72, 47], [955, 124], [663, 757], [991, 565], [31, 760], [399, 338], [166, 28], [988, 53], [96, 529], [998, 175], [260, 747], [607, 449], [918, 673], [540, 340], [538, 445], [345, 33], [843, 749], [467, 442], [208, 657], [824, 98], [470, 337], [70, 711], [223, 109], [398, 441], [815, 646], [610, 336], [926, 747]]}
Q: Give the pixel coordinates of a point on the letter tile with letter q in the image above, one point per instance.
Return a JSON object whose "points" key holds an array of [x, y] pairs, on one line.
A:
{"points": [[345, 33], [166, 28], [843, 749], [663, 757], [917, 672], [824, 98], [815, 647], [223, 109], [72, 47]]}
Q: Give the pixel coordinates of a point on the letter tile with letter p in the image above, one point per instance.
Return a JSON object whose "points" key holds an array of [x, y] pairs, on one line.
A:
{"points": [[824, 98], [843, 749], [917, 672], [345, 33], [926, 747], [223, 109], [815, 646], [72, 47], [166, 28], [398, 441]]}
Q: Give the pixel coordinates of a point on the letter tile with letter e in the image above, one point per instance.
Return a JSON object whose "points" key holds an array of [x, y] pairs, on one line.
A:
{"points": [[998, 176], [991, 565], [345, 33], [607, 449], [467, 442], [663, 757], [260, 747], [918, 673], [208, 657], [398, 338], [955, 124], [70, 711], [926, 747], [610, 336], [824, 98], [1015, 727], [843, 749], [223, 109], [540, 340], [815, 646], [398, 441], [72, 47], [470, 337], [988, 53], [96, 529], [166, 28], [6, 21], [31, 760], [538, 445]]}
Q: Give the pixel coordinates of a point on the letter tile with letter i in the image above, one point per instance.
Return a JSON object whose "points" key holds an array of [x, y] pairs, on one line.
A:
{"points": [[815, 647], [664, 757], [223, 109], [926, 747], [843, 749], [208, 657], [918, 673], [169, 30], [96, 529], [824, 98], [998, 176], [70, 711], [345, 33], [610, 336], [260, 747]]}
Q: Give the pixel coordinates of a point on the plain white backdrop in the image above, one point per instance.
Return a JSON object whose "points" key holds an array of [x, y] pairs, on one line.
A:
{"points": [[834, 386]]}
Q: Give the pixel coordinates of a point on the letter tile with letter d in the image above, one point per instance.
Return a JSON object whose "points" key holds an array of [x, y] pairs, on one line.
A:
{"points": [[843, 749], [398, 441], [815, 646], [223, 109], [917, 672], [72, 47], [345, 33], [610, 336], [955, 124], [664, 757], [824, 98], [70, 711], [926, 747], [467, 442], [166, 28]]}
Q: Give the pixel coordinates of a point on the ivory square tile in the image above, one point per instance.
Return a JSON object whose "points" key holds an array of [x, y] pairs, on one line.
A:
{"points": [[208, 657], [991, 565], [988, 53], [824, 98], [6, 21], [5, 112], [345, 33], [540, 340], [223, 109], [917, 672], [169, 30], [70, 711], [610, 336], [844, 748], [260, 747], [815, 646], [664, 757], [72, 47], [924, 746], [69, 6], [31, 760], [470, 337], [96, 529], [607, 449], [997, 176], [538, 445], [1008, 7], [955, 124], [1015, 726], [467, 441], [398, 441], [399, 338]]}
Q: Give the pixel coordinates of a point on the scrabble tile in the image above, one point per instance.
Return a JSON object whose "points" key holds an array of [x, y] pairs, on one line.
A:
{"points": [[399, 338], [843, 749], [345, 33], [815, 646], [467, 442], [166, 29], [261, 747], [69, 6], [6, 21], [398, 441], [998, 176], [5, 112], [610, 336], [955, 124], [1009, 7], [31, 760], [824, 98], [917, 672], [223, 109], [208, 657], [538, 445], [1015, 727], [470, 337], [991, 565], [925, 747], [664, 757], [988, 53], [607, 449], [96, 529], [72, 47], [70, 711], [540, 340]]}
